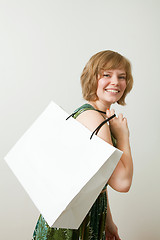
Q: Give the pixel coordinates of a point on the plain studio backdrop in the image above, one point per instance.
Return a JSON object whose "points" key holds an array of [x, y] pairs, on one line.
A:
{"points": [[44, 46]]}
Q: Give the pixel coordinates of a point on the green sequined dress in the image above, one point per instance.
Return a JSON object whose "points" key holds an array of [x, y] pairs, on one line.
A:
{"points": [[92, 227]]}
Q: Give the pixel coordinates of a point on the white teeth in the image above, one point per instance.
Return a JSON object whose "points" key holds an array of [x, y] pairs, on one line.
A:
{"points": [[110, 90]]}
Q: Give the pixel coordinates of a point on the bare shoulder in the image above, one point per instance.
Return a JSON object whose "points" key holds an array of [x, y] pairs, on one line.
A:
{"points": [[91, 119]]}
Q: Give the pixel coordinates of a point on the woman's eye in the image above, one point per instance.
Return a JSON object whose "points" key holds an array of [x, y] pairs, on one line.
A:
{"points": [[106, 75], [122, 77]]}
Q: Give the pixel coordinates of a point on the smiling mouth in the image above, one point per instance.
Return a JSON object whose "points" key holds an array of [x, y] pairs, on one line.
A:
{"points": [[112, 90]]}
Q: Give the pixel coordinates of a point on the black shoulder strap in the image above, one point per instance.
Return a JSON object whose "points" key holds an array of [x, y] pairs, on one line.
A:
{"points": [[98, 128], [100, 125]]}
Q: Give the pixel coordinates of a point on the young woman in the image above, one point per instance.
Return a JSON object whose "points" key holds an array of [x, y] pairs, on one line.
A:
{"points": [[106, 79]]}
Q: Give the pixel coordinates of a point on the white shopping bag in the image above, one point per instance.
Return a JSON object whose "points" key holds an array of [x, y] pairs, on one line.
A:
{"points": [[61, 169]]}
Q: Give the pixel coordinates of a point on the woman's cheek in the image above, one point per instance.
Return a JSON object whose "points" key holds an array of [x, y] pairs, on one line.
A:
{"points": [[123, 86], [102, 82]]}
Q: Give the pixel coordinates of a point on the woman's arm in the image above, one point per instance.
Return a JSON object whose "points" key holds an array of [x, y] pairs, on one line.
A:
{"points": [[121, 178]]}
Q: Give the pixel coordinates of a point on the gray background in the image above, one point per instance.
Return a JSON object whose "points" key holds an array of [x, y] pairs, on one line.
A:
{"points": [[44, 46]]}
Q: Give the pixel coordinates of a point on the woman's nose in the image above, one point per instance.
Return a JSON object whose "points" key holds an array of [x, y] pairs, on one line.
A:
{"points": [[114, 80]]}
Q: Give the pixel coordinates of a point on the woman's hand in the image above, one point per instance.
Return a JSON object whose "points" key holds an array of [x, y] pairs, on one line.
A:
{"points": [[112, 232], [118, 125]]}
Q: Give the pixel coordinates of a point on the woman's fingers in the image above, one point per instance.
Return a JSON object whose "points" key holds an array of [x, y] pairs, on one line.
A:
{"points": [[112, 112], [120, 116], [118, 125], [125, 119], [109, 112]]}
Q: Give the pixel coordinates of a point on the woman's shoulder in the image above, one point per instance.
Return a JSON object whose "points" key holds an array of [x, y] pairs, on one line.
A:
{"points": [[92, 115], [92, 119], [82, 109]]}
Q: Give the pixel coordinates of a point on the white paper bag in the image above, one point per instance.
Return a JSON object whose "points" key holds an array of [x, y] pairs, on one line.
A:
{"points": [[61, 169]]}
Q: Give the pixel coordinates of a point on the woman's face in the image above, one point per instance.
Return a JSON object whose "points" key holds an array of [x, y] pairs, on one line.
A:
{"points": [[111, 85]]}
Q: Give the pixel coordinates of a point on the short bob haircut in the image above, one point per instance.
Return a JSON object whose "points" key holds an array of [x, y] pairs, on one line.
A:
{"points": [[104, 60]]}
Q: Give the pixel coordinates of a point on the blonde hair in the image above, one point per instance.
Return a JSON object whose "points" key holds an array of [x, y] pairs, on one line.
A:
{"points": [[104, 60]]}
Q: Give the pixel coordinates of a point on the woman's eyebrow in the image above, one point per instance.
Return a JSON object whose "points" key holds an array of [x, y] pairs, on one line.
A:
{"points": [[108, 71], [122, 73]]}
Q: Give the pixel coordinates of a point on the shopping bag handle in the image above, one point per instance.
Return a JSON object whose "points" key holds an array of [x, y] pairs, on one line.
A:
{"points": [[100, 125]]}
